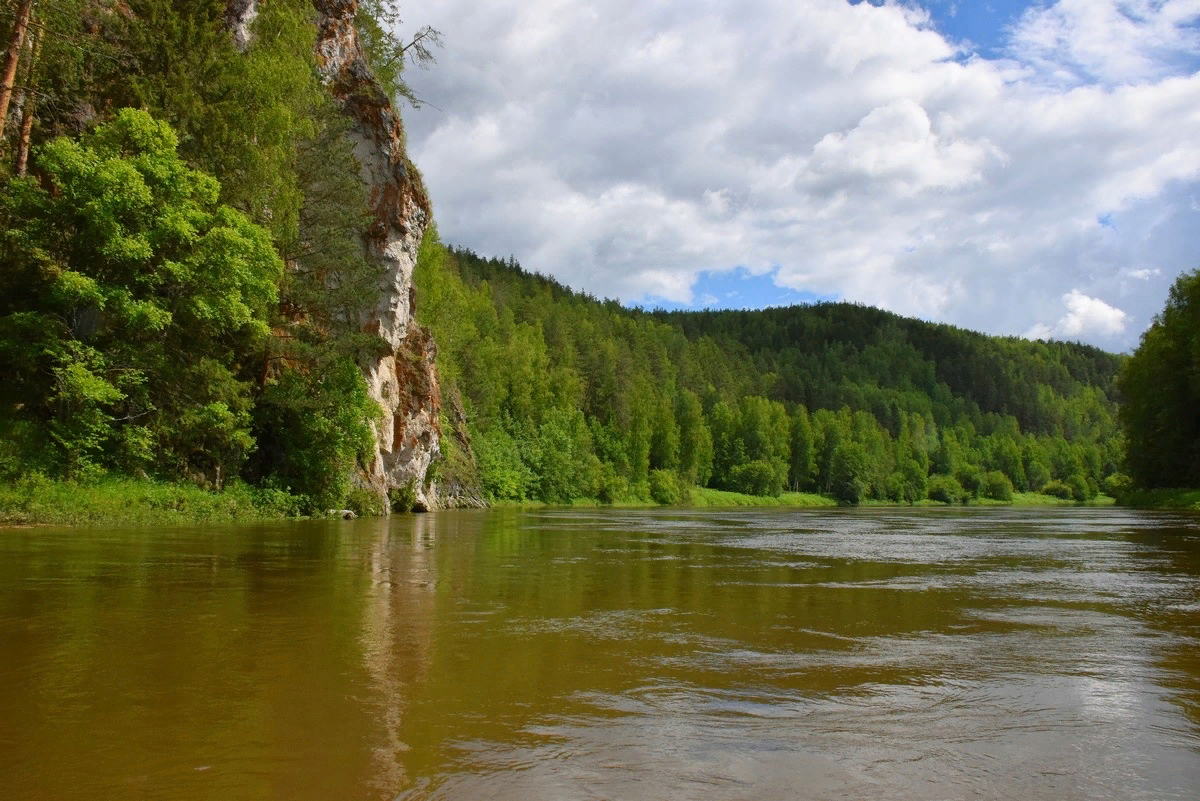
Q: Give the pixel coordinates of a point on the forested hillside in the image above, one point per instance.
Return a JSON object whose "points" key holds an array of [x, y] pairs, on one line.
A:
{"points": [[567, 396], [183, 274]]}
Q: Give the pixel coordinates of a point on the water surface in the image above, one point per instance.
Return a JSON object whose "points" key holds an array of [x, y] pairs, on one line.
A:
{"points": [[729, 654]]}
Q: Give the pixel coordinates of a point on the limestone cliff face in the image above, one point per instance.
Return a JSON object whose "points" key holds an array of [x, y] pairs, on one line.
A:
{"points": [[402, 378]]}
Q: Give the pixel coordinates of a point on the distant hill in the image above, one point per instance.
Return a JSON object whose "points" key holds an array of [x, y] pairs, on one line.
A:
{"points": [[833, 397]]}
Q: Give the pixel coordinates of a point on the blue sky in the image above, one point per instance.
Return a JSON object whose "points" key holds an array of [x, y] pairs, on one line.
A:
{"points": [[1017, 168], [737, 289], [981, 22]]}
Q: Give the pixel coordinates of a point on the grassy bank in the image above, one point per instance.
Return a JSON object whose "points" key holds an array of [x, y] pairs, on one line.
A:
{"points": [[1163, 499], [713, 497], [1038, 499], [36, 500], [699, 497], [695, 497]]}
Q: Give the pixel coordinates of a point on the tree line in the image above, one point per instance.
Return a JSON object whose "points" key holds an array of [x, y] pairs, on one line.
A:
{"points": [[568, 396]]}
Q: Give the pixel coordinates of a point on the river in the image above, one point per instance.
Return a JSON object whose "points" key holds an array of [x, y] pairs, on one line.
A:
{"points": [[607, 654]]}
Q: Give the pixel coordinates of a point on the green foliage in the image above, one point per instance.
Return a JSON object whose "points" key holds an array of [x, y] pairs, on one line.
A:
{"points": [[997, 486], [848, 473], [313, 431], [911, 483], [364, 503], [1161, 386], [105, 499], [1058, 489], [503, 473], [757, 477], [695, 440], [129, 293], [403, 499], [705, 497], [145, 309], [946, 489], [803, 463], [664, 488], [1117, 485], [1163, 499], [725, 405], [1080, 489], [378, 22]]}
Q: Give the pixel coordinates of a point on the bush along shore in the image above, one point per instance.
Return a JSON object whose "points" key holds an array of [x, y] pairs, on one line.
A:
{"points": [[37, 500]]}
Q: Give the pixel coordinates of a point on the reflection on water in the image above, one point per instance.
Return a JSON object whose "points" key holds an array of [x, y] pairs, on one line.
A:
{"points": [[1043, 654]]}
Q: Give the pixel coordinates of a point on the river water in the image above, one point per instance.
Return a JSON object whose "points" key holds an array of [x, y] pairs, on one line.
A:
{"points": [[607, 654]]}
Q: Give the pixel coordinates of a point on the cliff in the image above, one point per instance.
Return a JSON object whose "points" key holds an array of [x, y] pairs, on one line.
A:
{"points": [[402, 379], [401, 376]]}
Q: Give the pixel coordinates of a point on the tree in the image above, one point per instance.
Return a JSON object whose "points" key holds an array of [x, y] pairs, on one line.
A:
{"points": [[849, 471], [695, 440], [12, 56], [800, 472], [1161, 386], [129, 301]]}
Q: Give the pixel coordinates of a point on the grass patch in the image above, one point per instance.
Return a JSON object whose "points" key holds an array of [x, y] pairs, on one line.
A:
{"points": [[1038, 499], [702, 496], [692, 497], [37, 500], [1163, 499]]}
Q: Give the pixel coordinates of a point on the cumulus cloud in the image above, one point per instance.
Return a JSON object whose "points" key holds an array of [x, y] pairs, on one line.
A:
{"points": [[845, 150], [1115, 41], [1085, 317]]}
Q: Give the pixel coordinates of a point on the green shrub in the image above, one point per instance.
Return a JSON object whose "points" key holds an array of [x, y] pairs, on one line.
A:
{"points": [[403, 499], [996, 486], [1117, 485], [365, 503], [946, 489], [1080, 489], [1057, 489], [758, 477], [970, 478], [664, 488], [610, 486]]}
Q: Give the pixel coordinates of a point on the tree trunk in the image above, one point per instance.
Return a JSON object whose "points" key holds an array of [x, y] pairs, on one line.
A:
{"points": [[27, 105], [11, 58]]}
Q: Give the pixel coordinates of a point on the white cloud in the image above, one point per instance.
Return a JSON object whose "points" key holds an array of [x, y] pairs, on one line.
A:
{"points": [[1115, 41], [1086, 317], [1143, 274], [849, 150]]}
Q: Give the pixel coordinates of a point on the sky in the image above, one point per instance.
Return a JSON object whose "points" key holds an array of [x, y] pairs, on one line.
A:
{"points": [[1018, 168]]}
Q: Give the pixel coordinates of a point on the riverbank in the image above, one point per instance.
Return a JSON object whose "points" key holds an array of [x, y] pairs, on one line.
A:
{"points": [[36, 500], [700, 497], [1163, 499]]}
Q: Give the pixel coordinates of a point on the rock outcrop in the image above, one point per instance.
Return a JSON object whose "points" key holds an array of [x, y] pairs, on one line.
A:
{"points": [[402, 378]]}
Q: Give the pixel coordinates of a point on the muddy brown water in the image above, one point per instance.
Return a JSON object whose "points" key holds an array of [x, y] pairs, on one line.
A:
{"points": [[607, 654]]}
